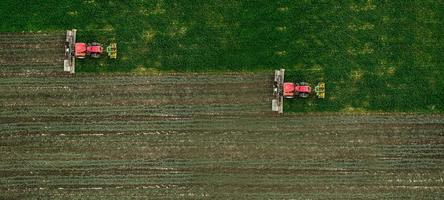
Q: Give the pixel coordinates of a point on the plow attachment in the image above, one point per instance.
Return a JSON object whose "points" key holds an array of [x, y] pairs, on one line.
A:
{"points": [[277, 103], [69, 63]]}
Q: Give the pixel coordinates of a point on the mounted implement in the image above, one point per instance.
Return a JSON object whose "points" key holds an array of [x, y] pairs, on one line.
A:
{"points": [[69, 62], [82, 50], [112, 50], [320, 90], [277, 104], [289, 90]]}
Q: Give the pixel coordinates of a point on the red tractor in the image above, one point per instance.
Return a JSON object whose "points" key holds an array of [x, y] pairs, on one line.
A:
{"points": [[80, 50], [91, 49], [290, 90]]}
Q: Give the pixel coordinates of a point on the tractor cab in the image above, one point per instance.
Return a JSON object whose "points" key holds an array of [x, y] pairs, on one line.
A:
{"points": [[80, 50], [289, 90]]}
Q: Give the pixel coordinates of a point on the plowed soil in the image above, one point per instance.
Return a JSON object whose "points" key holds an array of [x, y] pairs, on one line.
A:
{"points": [[203, 136], [28, 53]]}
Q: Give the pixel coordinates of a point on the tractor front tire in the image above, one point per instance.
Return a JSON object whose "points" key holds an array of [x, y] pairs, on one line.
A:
{"points": [[95, 55], [303, 95]]}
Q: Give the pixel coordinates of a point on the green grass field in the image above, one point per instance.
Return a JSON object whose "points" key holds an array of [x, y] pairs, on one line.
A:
{"points": [[373, 55]]}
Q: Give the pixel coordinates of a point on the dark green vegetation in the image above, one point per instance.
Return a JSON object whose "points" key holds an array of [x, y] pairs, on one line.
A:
{"points": [[176, 136], [374, 55]]}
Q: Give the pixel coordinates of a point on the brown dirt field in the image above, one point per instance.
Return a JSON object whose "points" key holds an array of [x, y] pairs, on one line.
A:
{"points": [[176, 136], [28, 53]]}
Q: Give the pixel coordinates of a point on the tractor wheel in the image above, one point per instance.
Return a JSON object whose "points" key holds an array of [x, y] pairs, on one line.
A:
{"points": [[95, 55], [303, 95]]}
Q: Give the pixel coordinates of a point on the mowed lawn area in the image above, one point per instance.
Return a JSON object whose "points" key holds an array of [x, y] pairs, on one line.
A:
{"points": [[379, 56]]}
